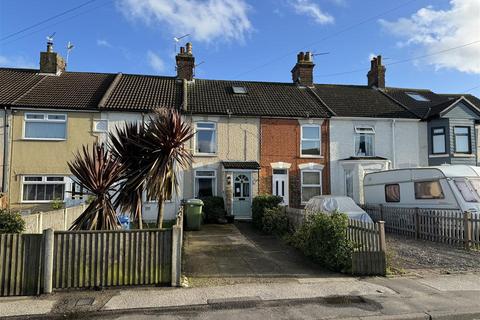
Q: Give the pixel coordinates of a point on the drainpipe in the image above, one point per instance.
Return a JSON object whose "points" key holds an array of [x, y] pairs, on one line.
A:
{"points": [[394, 162], [6, 126]]}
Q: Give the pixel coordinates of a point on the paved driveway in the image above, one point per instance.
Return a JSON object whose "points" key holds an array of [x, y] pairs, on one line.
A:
{"points": [[237, 253]]}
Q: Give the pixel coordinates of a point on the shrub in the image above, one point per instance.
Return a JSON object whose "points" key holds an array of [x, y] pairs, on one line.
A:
{"points": [[213, 209], [57, 204], [260, 203], [275, 221], [323, 238], [11, 222]]}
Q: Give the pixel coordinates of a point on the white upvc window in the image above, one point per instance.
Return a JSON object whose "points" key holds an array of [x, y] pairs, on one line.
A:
{"points": [[311, 184], [364, 141], [205, 183], [205, 138], [37, 188], [310, 140], [45, 126]]}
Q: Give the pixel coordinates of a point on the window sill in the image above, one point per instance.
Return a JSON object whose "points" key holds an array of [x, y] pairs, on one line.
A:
{"points": [[311, 157], [205, 154], [44, 139], [438, 155], [463, 155], [38, 201]]}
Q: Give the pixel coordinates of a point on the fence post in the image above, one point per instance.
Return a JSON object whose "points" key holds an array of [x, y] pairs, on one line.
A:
{"points": [[40, 222], [48, 260], [176, 255], [381, 236], [467, 229], [417, 223], [65, 213]]}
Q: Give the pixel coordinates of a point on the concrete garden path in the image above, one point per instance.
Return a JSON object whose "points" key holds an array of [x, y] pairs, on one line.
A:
{"points": [[237, 253]]}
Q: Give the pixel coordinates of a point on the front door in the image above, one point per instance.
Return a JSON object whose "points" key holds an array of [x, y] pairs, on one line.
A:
{"points": [[280, 184], [242, 195]]}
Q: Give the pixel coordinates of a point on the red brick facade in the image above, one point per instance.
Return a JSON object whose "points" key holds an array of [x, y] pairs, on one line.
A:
{"points": [[280, 142]]}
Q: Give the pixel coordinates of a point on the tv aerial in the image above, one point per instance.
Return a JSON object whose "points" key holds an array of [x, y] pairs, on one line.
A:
{"points": [[70, 47], [50, 38]]}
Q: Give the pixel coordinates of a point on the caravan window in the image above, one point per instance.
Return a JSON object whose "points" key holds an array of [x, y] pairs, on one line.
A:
{"points": [[466, 190], [392, 193], [428, 190]]}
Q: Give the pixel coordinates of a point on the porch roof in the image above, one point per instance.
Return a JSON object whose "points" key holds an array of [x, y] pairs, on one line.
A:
{"points": [[241, 165]]}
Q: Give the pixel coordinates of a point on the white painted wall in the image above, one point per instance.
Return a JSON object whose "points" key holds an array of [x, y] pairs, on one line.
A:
{"points": [[407, 149], [150, 208]]}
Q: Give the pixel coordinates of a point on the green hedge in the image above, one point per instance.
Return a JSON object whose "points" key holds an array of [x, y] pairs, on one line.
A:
{"points": [[11, 222], [260, 204], [323, 238], [275, 221], [213, 209]]}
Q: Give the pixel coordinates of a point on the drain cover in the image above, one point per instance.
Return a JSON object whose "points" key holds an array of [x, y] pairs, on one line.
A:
{"points": [[85, 302]]}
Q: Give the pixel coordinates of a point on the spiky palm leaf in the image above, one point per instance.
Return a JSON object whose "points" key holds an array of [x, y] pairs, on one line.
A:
{"points": [[125, 146], [97, 172], [164, 148]]}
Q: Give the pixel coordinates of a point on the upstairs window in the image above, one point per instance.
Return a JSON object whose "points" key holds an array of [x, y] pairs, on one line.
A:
{"points": [[364, 141], [206, 138], [44, 126], [43, 188], [462, 139], [310, 140], [417, 96], [438, 140]]}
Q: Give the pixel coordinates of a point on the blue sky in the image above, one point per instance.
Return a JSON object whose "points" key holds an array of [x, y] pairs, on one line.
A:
{"points": [[257, 40]]}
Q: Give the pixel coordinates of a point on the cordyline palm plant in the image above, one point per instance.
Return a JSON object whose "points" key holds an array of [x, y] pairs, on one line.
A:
{"points": [[125, 144], [97, 172], [163, 149]]}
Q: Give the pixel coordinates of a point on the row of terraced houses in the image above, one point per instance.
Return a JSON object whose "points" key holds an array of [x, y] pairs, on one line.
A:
{"points": [[296, 140]]}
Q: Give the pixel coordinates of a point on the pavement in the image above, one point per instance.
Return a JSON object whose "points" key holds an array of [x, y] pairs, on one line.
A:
{"points": [[439, 297], [234, 272]]}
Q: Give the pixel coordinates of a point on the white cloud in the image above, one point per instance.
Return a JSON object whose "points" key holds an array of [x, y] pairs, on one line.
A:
{"points": [[16, 62], [155, 61], [103, 43], [311, 9], [205, 20], [436, 30]]}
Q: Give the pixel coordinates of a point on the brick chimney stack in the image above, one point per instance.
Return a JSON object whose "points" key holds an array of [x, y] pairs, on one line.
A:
{"points": [[302, 73], [50, 61], [185, 63], [376, 75]]}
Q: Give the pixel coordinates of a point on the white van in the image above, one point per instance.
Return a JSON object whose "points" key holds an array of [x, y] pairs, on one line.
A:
{"points": [[442, 187]]}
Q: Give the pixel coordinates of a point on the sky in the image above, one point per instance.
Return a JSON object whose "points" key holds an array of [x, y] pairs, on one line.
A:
{"points": [[432, 44]]}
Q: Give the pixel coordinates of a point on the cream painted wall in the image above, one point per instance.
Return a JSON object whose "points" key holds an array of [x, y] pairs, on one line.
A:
{"points": [[408, 149], [46, 157], [238, 138], [2, 137]]}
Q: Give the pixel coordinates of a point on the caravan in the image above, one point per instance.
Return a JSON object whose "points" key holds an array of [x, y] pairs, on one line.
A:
{"points": [[442, 187]]}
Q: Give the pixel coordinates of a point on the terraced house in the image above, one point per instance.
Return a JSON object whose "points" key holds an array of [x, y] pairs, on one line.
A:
{"points": [[296, 140]]}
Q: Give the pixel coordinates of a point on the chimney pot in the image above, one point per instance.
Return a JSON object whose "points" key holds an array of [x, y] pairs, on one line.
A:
{"points": [[308, 56], [182, 49], [376, 75], [189, 47]]}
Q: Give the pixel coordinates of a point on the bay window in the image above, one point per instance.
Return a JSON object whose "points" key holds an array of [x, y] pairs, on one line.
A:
{"points": [[205, 138], [310, 140], [43, 126], [364, 141]]}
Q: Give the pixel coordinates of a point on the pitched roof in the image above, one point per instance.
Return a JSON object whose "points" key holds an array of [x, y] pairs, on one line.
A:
{"points": [[69, 90], [142, 92], [434, 105], [360, 101], [260, 99]]}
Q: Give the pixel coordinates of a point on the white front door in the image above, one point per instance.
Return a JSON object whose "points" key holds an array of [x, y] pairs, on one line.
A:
{"points": [[280, 184]]}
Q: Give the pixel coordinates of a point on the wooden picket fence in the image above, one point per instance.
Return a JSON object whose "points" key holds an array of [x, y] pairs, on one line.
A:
{"points": [[369, 256], [448, 226], [31, 264]]}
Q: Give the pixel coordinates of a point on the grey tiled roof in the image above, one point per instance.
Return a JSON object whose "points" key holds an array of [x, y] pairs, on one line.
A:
{"points": [[260, 99]]}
